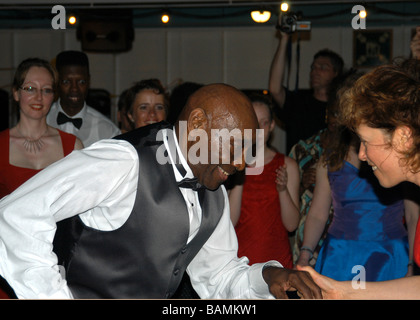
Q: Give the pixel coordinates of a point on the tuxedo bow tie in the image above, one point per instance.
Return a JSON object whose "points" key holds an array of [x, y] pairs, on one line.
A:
{"points": [[190, 183], [62, 118]]}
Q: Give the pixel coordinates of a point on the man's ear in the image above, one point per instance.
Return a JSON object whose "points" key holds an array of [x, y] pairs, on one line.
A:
{"points": [[197, 120]]}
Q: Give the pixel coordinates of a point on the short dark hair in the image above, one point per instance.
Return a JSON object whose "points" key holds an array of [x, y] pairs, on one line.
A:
{"points": [[152, 84], [335, 58], [71, 58], [264, 99]]}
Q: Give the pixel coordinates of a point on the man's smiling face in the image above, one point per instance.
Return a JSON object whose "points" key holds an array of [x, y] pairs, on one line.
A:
{"points": [[218, 109], [73, 88]]}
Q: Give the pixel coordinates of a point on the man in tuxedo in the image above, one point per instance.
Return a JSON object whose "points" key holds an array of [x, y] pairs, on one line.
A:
{"points": [[70, 112], [138, 222]]}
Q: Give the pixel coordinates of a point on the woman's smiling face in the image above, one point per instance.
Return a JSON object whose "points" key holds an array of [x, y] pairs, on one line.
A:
{"points": [[37, 102], [148, 108], [377, 148]]}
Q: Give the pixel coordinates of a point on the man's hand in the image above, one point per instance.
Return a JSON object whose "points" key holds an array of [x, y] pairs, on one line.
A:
{"points": [[280, 280], [308, 177]]}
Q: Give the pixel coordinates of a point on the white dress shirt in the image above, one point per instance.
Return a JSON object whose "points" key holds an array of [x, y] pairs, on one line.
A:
{"points": [[95, 126], [100, 184]]}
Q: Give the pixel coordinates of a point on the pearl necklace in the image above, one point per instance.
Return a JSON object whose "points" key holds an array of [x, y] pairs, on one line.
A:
{"points": [[33, 145]]}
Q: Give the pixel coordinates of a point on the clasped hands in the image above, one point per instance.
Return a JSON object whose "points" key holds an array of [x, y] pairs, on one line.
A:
{"points": [[280, 280], [308, 283]]}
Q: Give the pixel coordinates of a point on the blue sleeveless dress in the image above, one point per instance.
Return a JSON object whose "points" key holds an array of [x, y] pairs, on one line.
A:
{"points": [[367, 232]]}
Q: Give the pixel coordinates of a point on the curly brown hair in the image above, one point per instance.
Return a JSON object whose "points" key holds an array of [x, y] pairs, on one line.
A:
{"points": [[386, 98]]}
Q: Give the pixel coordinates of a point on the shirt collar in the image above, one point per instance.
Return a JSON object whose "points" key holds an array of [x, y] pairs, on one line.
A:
{"points": [[181, 159]]}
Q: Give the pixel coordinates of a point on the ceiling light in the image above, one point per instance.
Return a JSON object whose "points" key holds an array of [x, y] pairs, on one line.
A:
{"points": [[165, 18], [260, 16], [72, 20]]}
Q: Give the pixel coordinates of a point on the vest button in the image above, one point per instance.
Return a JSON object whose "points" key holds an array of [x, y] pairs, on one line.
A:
{"points": [[176, 272], [184, 249]]}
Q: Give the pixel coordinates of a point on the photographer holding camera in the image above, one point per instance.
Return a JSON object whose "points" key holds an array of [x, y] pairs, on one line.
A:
{"points": [[303, 111]]}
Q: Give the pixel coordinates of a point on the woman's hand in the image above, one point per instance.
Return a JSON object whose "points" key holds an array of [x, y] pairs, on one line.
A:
{"points": [[281, 178]]}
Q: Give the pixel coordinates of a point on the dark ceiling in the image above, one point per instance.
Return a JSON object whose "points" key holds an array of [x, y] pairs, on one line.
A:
{"points": [[196, 13]]}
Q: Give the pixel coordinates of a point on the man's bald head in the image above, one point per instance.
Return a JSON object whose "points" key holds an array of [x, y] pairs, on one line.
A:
{"points": [[216, 107], [219, 100]]}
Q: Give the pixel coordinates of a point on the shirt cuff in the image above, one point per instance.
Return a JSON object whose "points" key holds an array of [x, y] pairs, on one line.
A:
{"points": [[258, 284]]}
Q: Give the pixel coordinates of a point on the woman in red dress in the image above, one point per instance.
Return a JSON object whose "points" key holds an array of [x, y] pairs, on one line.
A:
{"points": [[264, 209], [31, 145]]}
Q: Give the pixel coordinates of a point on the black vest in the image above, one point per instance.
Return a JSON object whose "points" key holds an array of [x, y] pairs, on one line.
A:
{"points": [[147, 256]]}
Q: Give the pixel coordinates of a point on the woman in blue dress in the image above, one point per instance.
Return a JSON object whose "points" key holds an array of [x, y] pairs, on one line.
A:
{"points": [[372, 231]]}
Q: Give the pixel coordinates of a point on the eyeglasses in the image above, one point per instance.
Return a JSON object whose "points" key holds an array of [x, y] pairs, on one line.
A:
{"points": [[34, 91]]}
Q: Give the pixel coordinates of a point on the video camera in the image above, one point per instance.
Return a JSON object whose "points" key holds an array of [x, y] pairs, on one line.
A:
{"points": [[290, 22]]}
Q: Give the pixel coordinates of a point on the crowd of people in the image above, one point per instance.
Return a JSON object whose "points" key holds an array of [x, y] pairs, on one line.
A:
{"points": [[88, 209]]}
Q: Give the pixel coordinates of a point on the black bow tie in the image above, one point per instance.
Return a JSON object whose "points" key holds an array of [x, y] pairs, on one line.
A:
{"points": [[62, 118], [190, 183]]}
